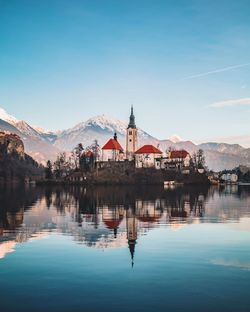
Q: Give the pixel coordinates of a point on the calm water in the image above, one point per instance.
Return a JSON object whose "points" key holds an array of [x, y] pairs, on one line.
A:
{"points": [[125, 249]]}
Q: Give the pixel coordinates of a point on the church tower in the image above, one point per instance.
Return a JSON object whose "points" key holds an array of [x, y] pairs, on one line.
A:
{"points": [[132, 142]]}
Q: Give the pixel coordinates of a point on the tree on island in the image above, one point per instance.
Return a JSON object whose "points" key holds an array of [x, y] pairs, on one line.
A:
{"points": [[89, 157], [76, 155], [61, 166], [81, 159], [96, 149], [48, 171], [198, 160]]}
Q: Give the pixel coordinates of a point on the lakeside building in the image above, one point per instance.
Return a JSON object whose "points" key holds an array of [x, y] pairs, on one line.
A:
{"points": [[112, 150], [178, 160], [147, 156]]}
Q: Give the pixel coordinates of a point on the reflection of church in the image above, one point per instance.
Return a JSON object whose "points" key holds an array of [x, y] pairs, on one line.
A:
{"points": [[113, 217], [137, 216], [101, 217]]}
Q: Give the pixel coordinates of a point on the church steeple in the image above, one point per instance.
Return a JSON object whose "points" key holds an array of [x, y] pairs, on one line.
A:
{"points": [[131, 144], [132, 119]]}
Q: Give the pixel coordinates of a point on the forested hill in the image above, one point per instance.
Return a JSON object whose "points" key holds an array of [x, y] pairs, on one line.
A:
{"points": [[15, 165]]}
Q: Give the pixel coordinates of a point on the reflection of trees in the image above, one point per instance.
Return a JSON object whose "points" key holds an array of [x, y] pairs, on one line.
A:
{"points": [[106, 212], [235, 190], [13, 203], [149, 202]]}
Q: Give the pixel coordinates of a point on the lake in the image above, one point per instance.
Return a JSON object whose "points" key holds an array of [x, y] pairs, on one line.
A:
{"points": [[125, 249]]}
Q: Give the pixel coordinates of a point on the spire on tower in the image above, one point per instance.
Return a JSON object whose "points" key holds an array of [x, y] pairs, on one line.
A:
{"points": [[132, 119]]}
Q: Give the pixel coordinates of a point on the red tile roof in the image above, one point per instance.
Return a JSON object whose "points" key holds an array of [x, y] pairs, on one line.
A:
{"points": [[179, 154], [148, 149], [113, 144]]}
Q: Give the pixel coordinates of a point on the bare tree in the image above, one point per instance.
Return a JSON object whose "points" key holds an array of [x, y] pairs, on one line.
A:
{"points": [[76, 155]]}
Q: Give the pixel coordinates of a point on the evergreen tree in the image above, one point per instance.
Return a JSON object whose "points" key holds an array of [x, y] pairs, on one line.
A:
{"points": [[48, 171], [60, 166], [201, 159]]}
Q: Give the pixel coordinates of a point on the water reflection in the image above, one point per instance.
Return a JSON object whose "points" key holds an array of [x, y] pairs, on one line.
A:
{"points": [[111, 217]]}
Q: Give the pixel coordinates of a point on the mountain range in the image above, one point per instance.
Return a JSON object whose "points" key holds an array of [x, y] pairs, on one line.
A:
{"points": [[43, 144]]}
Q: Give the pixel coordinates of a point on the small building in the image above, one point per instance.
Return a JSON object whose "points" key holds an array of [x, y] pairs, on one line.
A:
{"points": [[112, 150], [178, 160], [229, 178], [146, 156]]}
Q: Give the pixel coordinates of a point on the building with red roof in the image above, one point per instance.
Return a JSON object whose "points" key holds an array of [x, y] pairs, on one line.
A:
{"points": [[177, 160], [148, 149], [112, 150], [180, 155], [146, 156]]}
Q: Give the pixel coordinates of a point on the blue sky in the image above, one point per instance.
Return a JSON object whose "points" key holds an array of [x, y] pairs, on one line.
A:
{"points": [[185, 65]]}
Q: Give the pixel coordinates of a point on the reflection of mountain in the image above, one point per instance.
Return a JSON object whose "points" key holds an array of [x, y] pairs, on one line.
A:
{"points": [[112, 217]]}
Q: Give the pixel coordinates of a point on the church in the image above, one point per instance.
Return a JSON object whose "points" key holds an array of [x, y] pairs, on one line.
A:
{"points": [[144, 157]]}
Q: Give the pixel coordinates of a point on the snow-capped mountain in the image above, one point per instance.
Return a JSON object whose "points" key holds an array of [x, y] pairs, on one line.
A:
{"points": [[101, 128], [175, 138], [26, 129], [46, 135], [36, 144], [41, 130], [21, 125], [6, 117], [43, 145]]}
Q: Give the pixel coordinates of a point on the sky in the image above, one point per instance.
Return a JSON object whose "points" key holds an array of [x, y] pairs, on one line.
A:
{"points": [[184, 65]]}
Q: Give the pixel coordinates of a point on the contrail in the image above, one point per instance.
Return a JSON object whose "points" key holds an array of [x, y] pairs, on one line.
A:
{"points": [[219, 70], [245, 101]]}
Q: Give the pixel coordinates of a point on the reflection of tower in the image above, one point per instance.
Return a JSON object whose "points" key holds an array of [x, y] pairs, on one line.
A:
{"points": [[131, 144], [132, 226]]}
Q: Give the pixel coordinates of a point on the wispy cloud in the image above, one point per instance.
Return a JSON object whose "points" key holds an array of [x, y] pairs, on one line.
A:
{"points": [[236, 102], [215, 71]]}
